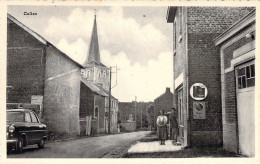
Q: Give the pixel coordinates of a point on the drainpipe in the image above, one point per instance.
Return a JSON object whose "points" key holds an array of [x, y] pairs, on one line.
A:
{"points": [[187, 80]]}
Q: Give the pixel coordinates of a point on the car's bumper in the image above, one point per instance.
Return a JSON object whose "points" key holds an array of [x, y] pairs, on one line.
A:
{"points": [[11, 144]]}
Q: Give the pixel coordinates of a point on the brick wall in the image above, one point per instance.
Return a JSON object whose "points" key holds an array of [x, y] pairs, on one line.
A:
{"points": [[25, 65], [214, 19], [204, 67], [205, 24], [230, 139]]}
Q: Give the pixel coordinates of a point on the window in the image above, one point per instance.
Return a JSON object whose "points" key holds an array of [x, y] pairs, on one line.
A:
{"points": [[88, 73], [27, 117], [34, 118], [246, 76], [96, 112], [104, 73]]}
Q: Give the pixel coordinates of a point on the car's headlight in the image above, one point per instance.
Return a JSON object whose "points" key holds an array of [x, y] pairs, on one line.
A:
{"points": [[11, 128]]}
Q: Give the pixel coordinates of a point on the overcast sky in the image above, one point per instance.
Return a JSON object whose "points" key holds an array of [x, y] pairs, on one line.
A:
{"points": [[136, 39]]}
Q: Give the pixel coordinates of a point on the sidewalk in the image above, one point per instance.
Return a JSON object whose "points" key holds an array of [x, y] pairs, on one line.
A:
{"points": [[149, 147], [153, 146]]}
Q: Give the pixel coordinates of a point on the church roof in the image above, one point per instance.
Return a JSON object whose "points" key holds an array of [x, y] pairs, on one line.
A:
{"points": [[93, 54], [94, 88]]}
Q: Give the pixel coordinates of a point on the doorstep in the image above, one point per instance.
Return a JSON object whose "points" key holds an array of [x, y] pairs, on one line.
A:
{"points": [[154, 146]]}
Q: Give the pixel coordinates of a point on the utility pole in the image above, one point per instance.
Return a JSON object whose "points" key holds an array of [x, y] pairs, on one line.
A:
{"points": [[109, 96], [141, 117], [135, 111], [109, 100]]}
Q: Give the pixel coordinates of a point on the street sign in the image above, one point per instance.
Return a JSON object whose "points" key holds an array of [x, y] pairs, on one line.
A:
{"points": [[198, 91]]}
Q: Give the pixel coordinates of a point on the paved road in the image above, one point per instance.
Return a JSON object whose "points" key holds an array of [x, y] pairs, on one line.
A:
{"points": [[94, 147]]}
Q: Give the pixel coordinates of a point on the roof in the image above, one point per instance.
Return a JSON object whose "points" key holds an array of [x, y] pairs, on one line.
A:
{"points": [[94, 64], [93, 54], [171, 14], [39, 37], [236, 28], [18, 110], [94, 88], [112, 97], [167, 91]]}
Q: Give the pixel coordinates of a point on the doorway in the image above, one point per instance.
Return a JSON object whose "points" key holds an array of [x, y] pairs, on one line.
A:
{"points": [[245, 92]]}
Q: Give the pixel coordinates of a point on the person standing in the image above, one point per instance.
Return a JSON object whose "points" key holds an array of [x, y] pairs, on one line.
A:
{"points": [[161, 127], [173, 125]]}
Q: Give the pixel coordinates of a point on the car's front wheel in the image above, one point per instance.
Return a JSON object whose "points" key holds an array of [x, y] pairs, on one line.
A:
{"points": [[41, 144], [20, 145]]}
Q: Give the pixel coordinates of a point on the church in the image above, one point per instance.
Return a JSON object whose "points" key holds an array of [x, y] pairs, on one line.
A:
{"points": [[98, 75]]}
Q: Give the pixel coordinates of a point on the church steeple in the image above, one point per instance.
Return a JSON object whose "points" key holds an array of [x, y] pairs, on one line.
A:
{"points": [[93, 54]]}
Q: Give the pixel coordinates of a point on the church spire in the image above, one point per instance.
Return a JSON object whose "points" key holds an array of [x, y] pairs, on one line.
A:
{"points": [[93, 54]]}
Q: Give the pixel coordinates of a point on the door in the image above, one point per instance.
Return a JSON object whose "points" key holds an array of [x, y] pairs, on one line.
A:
{"points": [[181, 115], [245, 90]]}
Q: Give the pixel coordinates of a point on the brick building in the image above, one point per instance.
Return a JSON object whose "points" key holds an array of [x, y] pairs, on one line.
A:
{"points": [[40, 74], [197, 89], [163, 102], [237, 54]]}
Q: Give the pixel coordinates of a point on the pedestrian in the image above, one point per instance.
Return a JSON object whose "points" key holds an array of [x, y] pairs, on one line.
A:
{"points": [[173, 125], [161, 127]]}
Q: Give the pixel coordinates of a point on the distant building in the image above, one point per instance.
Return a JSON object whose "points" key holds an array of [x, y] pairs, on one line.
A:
{"points": [[197, 70], [163, 102], [134, 113], [237, 54]]}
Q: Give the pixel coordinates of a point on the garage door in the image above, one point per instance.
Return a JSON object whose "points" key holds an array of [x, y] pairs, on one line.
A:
{"points": [[245, 78]]}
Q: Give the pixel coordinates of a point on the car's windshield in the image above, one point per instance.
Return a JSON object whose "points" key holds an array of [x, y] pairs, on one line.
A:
{"points": [[14, 116]]}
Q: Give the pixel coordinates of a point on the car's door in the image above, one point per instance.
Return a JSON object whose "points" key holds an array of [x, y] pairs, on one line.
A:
{"points": [[35, 128], [27, 129], [39, 128]]}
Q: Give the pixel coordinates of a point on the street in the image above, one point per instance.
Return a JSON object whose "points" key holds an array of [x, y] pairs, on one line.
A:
{"points": [[94, 147]]}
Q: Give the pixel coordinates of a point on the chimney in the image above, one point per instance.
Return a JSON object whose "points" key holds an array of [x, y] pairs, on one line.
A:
{"points": [[168, 89]]}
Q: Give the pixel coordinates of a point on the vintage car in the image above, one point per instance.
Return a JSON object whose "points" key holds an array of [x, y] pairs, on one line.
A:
{"points": [[23, 128]]}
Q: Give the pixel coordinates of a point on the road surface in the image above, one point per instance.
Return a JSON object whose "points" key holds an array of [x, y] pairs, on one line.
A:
{"points": [[93, 147]]}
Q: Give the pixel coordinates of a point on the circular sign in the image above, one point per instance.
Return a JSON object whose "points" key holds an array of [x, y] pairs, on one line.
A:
{"points": [[198, 91]]}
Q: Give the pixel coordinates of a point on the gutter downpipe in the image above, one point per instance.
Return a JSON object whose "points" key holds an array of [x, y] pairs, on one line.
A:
{"points": [[187, 81]]}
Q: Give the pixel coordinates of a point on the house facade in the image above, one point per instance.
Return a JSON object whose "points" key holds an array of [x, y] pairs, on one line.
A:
{"points": [[197, 69], [237, 55]]}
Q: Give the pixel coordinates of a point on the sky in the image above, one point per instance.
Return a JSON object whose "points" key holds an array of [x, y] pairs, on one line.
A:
{"points": [[137, 40]]}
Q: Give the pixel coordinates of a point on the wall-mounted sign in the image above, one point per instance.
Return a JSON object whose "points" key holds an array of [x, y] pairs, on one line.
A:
{"points": [[199, 110], [36, 99], [198, 91]]}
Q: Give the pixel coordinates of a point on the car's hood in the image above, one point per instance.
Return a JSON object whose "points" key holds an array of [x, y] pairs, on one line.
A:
{"points": [[16, 124]]}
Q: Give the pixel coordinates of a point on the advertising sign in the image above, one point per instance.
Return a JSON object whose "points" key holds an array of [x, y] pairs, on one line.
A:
{"points": [[199, 110], [198, 91]]}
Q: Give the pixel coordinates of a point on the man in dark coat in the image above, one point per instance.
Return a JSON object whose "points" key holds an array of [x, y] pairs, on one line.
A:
{"points": [[173, 125]]}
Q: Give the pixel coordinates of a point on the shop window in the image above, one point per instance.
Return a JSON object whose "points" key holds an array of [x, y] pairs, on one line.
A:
{"points": [[246, 77]]}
